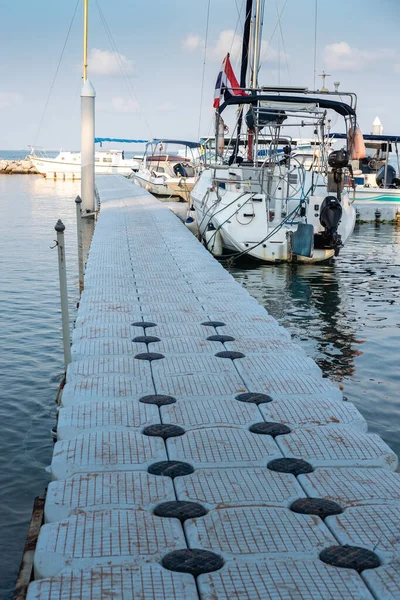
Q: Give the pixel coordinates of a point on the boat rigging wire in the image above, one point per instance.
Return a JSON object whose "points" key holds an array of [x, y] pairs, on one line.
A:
{"points": [[283, 40], [204, 67], [121, 66], [56, 73]]}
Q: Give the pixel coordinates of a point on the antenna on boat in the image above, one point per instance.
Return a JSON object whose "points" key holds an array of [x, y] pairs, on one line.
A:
{"points": [[85, 37], [324, 89]]}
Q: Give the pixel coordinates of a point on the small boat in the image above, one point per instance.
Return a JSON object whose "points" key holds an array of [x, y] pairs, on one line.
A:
{"points": [[376, 181], [67, 165], [167, 172], [254, 197]]}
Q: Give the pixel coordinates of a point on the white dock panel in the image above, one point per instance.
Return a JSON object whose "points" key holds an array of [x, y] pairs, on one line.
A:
{"points": [[292, 384], [223, 447], [338, 447], [349, 487], [257, 532], [384, 582], [282, 580], [270, 364], [109, 387], [238, 487], [106, 415], [216, 412], [318, 412], [149, 582], [106, 451], [376, 528], [105, 538], [94, 491]]}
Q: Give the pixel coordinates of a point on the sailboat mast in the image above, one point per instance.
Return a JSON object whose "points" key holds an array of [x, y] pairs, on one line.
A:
{"points": [[245, 44], [257, 23], [85, 37]]}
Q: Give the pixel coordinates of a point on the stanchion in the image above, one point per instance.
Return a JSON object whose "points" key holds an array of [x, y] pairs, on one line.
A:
{"points": [[60, 228]]}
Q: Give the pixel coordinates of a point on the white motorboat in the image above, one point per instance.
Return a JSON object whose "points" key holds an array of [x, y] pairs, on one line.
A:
{"points": [[169, 168], [376, 179], [256, 198], [67, 165]]}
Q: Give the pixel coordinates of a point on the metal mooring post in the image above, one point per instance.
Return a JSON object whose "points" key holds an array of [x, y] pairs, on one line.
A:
{"points": [[60, 228], [78, 202]]}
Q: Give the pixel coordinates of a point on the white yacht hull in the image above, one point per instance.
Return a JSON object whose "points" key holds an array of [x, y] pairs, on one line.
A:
{"points": [[242, 222], [163, 186], [57, 169]]}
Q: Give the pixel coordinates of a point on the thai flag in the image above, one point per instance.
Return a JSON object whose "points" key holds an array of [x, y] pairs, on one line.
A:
{"points": [[227, 85]]}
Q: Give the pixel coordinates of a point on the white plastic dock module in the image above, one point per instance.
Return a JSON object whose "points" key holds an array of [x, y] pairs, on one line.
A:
{"points": [[201, 455]]}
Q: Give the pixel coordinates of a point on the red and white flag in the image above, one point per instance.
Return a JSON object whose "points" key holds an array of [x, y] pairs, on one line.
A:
{"points": [[227, 85]]}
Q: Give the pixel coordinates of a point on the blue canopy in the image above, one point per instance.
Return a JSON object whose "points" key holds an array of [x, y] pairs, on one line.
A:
{"points": [[183, 142], [119, 140], [370, 137]]}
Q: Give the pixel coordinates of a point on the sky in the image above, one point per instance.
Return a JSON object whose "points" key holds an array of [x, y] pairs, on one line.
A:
{"points": [[147, 63]]}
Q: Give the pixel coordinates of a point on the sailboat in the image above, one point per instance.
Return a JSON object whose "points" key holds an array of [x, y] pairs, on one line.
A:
{"points": [[254, 197]]}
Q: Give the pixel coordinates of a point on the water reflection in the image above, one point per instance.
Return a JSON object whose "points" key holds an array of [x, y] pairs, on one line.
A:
{"points": [[312, 302], [345, 314]]}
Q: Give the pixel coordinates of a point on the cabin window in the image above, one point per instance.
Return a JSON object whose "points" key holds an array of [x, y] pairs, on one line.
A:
{"points": [[107, 160], [96, 160]]}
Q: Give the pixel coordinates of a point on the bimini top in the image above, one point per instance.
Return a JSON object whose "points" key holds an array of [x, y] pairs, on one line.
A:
{"points": [[275, 102], [182, 142], [369, 137], [120, 140]]}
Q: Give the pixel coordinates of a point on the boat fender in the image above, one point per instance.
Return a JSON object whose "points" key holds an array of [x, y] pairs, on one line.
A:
{"points": [[356, 144]]}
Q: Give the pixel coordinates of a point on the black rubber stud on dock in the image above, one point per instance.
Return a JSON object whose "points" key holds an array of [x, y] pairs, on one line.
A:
{"points": [[180, 510], [163, 430], [350, 557], [144, 324], [149, 356], [295, 466], [171, 468], [146, 339], [158, 400], [230, 354], [254, 398], [316, 506], [195, 562], [221, 338], [213, 324], [267, 428]]}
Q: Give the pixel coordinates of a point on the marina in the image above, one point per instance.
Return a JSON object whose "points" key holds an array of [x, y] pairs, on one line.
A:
{"points": [[224, 423], [147, 301]]}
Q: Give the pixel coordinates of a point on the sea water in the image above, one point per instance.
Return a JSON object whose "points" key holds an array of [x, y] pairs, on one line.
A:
{"points": [[344, 313]]}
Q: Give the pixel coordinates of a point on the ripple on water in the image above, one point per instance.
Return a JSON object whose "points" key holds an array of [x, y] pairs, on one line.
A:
{"points": [[31, 359]]}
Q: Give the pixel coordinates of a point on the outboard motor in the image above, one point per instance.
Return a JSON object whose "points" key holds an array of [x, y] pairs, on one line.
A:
{"points": [[338, 161], [391, 179], [329, 217]]}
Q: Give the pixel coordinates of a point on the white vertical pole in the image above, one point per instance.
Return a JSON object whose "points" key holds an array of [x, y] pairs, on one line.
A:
{"points": [[78, 203], [60, 228], [88, 95]]}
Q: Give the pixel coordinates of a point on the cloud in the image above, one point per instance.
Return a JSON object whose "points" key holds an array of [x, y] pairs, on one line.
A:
{"points": [[125, 105], [103, 62], [192, 42], [9, 99], [226, 42], [166, 107], [341, 56]]}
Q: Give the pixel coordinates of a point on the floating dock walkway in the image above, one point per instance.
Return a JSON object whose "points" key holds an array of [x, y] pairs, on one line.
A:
{"points": [[200, 453]]}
